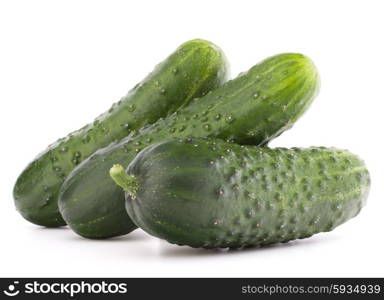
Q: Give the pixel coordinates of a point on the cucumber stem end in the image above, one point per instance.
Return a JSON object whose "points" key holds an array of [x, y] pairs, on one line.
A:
{"points": [[126, 182]]}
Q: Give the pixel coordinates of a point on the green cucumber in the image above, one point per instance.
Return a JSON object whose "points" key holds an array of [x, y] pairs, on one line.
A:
{"points": [[253, 108], [214, 194], [192, 70]]}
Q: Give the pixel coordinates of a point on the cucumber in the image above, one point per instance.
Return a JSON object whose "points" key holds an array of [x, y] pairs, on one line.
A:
{"points": [[213, 194], [192, 70], [253, 108]]}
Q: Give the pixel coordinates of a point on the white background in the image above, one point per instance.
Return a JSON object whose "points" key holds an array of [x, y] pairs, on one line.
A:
{"points": [[62, 63]]}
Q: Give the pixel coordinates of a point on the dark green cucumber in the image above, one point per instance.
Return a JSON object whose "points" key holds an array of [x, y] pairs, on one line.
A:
{"points": [[252, 108], [192, 70], [213, 194]]}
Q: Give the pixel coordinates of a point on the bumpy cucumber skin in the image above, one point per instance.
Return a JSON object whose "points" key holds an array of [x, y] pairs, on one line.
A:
{"points": [[192, 70], [253, 108], [214, 194]]}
